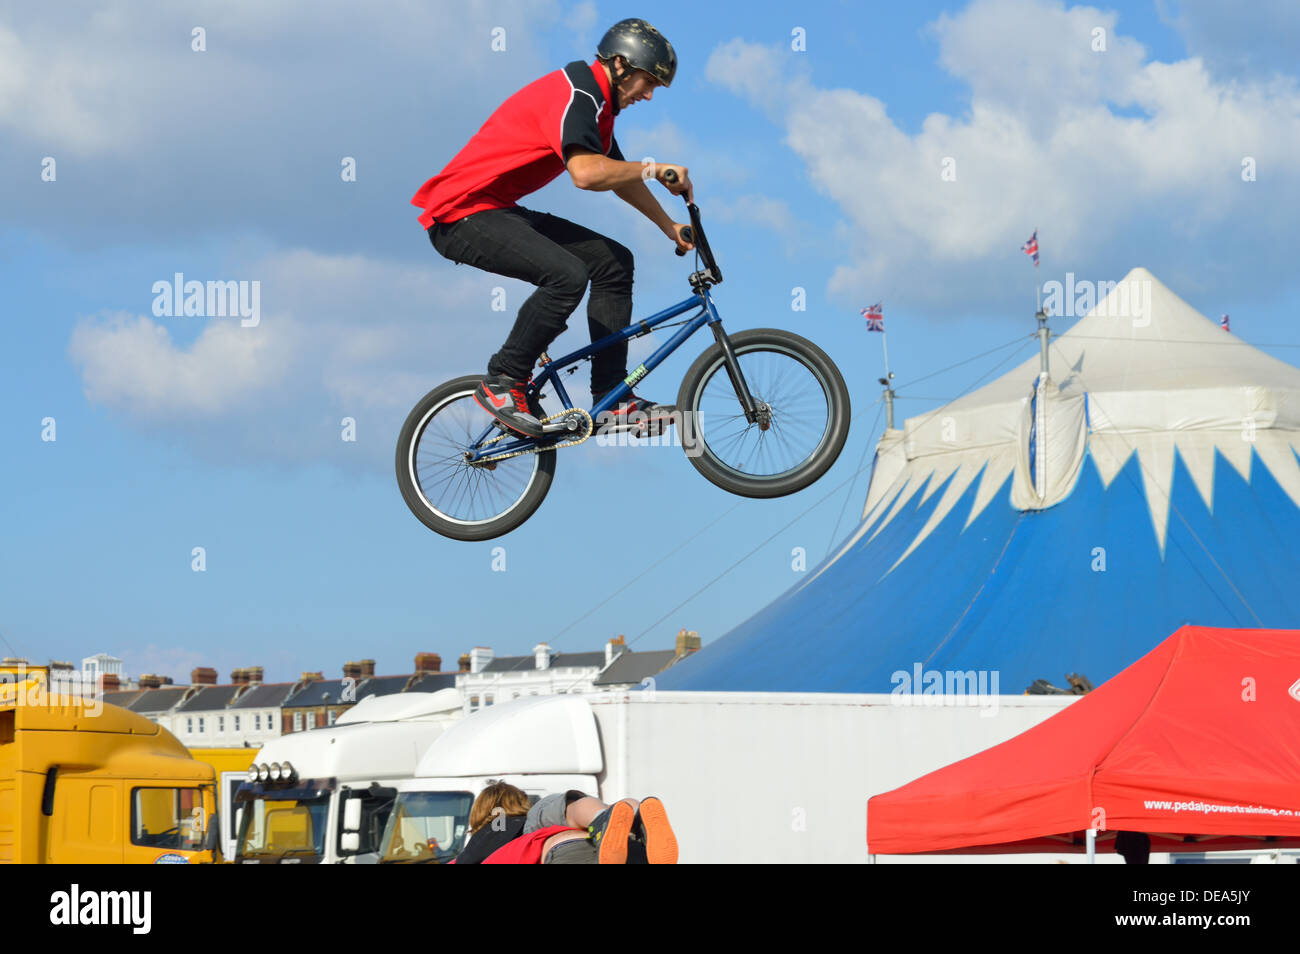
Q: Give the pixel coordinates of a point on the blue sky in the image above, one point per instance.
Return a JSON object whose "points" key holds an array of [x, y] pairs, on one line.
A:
{"points": [[815, 168]]}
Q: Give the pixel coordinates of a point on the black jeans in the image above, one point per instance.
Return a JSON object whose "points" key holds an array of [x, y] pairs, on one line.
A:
{"points": [[558, 257]]}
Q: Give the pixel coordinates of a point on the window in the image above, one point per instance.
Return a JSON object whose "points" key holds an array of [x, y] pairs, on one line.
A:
{"points": [[297, 722], [311, 717], [257, 721], [236, 723], [221, 723], [189, 724], [201, 729], [376, 805], [167, 818], [286, 826], [332, 716], [427, 826], [473, 703], [487, 700]]}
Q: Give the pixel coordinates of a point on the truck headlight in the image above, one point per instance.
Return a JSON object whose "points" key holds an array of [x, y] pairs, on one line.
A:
{"points": [[263, 772], [286, 772], [275, 771]]}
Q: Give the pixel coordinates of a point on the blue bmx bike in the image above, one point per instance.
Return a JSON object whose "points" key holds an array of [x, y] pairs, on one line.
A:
{"points": [[761, 413]]}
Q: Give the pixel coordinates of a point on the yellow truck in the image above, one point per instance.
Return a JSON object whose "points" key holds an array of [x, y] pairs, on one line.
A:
{"points": [[85, 782], [231, 767]]}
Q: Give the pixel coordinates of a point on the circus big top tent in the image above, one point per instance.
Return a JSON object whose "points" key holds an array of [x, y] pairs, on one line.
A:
{"points": [[1054, 523]]}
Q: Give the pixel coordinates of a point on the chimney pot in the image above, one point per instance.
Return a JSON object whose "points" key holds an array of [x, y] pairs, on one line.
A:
{"points": [[615, 648], [203, 676], [428, 662]]}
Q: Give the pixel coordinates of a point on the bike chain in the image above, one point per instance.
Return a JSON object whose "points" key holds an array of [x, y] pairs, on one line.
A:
{"points": [[537, 450]]}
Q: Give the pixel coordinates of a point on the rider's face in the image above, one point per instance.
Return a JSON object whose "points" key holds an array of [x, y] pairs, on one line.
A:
{"points": [[636, 87]]}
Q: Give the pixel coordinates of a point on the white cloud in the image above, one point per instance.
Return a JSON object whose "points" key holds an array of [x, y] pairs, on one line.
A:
{"points": [[1047, 143], [339, 336], [134, 364], [152, 138]]}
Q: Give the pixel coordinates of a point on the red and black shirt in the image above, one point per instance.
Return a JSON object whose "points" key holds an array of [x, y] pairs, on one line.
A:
{"points": [[522, 145]]}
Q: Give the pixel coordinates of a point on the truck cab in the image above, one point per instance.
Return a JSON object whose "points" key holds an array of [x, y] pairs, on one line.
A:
{"points": [[539, 744], [85, 782], [323, 796]]}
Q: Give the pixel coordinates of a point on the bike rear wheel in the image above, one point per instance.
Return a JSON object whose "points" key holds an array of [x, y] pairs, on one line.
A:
{"points": [[448, 494], [805, 414]]}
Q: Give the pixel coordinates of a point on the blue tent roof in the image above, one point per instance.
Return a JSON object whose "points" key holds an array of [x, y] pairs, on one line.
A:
{"points": [[1023, 593], [1152, 507]]}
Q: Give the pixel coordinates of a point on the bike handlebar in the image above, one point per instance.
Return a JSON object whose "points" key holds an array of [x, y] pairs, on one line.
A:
{"points": [[670, 177], [694, 233]]}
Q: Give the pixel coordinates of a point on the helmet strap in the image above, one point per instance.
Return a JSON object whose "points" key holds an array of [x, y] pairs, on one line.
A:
{"points": [[616, 80]]}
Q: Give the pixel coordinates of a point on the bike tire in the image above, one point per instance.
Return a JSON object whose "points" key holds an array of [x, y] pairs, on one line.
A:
{"points": [[695, 427], [441, 400]]}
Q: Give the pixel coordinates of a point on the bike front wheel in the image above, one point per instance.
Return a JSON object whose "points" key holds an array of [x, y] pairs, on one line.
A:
{"points": [[803, 414], [448, 494]]}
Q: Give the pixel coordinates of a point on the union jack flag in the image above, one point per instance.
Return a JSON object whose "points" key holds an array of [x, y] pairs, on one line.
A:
{"points": [[875, 318], [1030, 248], [1223, 323]]}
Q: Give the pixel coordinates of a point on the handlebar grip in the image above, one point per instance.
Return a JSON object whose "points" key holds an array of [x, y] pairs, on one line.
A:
{"points": [[688, 234]]}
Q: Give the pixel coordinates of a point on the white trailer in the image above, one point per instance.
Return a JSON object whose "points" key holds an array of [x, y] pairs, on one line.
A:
{"points": [[323, 796], [745, 777]]}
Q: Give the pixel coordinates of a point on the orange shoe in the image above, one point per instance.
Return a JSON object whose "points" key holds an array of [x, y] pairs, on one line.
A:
{"points": [[610, 839], [660, 842]]}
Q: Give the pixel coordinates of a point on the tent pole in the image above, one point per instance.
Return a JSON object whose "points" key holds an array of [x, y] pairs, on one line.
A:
{"points": [[888, 382], [1092, 846], [1043, 335]]}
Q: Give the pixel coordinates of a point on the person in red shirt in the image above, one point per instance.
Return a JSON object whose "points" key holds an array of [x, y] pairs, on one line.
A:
{"points": [[561, 122]]}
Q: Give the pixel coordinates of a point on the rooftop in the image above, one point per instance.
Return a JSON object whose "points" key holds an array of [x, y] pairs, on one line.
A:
{"points": [[631, 668], [209, 698]]}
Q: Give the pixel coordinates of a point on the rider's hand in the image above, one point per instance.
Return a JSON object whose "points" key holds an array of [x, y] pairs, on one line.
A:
{"points": [[682, 244], [683, 183]]}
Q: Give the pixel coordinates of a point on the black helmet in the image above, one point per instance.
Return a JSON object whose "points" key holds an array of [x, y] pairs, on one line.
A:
{"points": [[642, 46]]}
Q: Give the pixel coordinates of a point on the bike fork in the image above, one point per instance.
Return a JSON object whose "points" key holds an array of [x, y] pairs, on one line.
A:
{"points": [[733, 371]]}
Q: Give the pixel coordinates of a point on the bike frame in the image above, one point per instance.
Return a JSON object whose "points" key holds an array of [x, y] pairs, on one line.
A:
{"points": [[707, 315]]}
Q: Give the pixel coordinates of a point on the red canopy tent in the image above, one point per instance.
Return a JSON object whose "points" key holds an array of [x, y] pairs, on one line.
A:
{"points": [[1196, 744]]}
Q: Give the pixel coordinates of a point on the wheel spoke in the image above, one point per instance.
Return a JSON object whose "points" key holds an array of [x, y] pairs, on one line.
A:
{"points": [[455, 489], [799, 407]]}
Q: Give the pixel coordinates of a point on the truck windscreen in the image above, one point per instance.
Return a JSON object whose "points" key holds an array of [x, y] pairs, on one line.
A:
{"points": [[279, 828], [427, 827]]}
